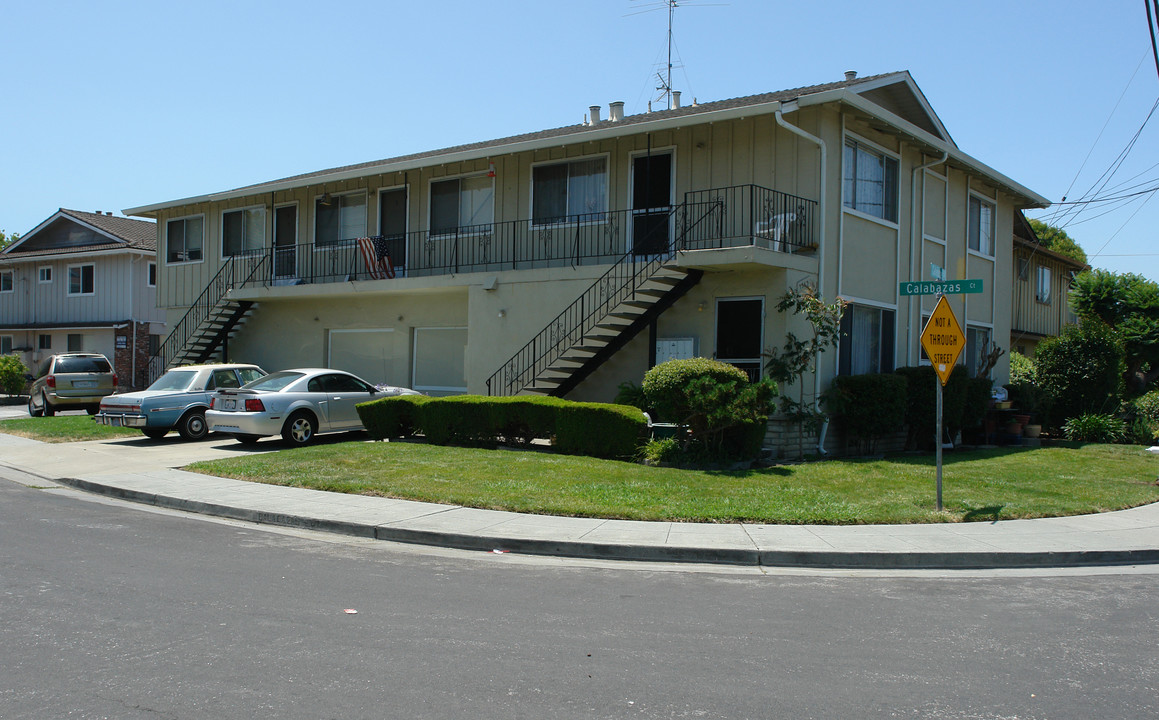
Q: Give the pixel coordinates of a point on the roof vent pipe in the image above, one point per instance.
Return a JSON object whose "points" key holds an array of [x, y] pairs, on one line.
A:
{"points": [[595, 110], [616, 111], [850, 74], [675, 99]]}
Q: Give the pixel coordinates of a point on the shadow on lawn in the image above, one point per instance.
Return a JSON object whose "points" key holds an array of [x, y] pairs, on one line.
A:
{"points": [[991, 512]]}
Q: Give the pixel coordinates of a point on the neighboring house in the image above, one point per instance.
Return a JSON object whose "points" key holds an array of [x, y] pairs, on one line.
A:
{"points": [[568, 261], [1042, 281], [83, 281]]}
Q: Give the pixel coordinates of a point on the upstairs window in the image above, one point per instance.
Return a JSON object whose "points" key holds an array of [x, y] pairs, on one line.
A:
{"points": [[44, 274], [462, 203], [978, 349], [980, 228], [339, 217], [152, 281], [242, 231], [183, 239], [869, 181], [575, 190], [81, 279], [1042, 285], [7, 281]]}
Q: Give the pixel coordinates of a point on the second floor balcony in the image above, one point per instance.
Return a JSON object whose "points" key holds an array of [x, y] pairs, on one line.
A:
{"points": [[729, 217]]}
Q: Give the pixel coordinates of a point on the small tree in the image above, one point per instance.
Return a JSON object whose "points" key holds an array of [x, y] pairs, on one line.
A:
{"points": [[797, 356], [12, 375], [1081, 371]]}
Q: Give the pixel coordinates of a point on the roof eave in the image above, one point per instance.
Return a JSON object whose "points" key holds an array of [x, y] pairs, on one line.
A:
{"points": [[932, 143], [606, 129]]}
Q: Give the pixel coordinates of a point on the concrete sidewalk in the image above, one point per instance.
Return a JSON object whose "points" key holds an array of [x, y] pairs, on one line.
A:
{"points": [[146, 471]]}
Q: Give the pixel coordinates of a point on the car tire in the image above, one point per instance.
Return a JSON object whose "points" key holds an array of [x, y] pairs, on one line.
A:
{"points": [[93, 409], [32, 411], [192, 425], [48, 410], [248, 439], [300, 428], [155, 433]]}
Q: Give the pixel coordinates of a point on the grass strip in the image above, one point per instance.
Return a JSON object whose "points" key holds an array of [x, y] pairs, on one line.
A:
{"points": [[61, 429], [991, 484]]}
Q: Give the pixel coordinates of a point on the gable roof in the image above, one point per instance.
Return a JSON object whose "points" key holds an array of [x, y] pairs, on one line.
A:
{"points": [[893, 96], [74, 231]]}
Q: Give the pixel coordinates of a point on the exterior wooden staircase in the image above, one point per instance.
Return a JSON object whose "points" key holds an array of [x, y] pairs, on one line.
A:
{"points": [[210, 321], [601, 321]]}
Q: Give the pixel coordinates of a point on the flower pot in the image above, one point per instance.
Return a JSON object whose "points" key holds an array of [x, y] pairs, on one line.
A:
{"points": [[1022, 419], [1032, 431], [1013, 428]]}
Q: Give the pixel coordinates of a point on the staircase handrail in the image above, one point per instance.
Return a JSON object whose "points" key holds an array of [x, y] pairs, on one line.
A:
{"points": [[566, 335], [178, 339]]}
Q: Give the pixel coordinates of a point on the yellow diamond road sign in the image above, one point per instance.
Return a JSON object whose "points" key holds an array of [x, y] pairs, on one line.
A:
{"points": [[943, 339]]}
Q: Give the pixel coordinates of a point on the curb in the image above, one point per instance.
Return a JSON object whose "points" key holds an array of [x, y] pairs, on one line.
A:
{"points": [[646, 553]]}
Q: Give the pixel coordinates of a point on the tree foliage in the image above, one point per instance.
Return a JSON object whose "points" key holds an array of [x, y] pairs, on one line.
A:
{"points": [[1081, 371], [1056, 240], [6, 240], [1129, 304], [12, 375]]}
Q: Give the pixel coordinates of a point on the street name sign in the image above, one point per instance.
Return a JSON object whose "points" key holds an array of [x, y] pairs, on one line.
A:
{"points": [[943, 339], [940, 287]]}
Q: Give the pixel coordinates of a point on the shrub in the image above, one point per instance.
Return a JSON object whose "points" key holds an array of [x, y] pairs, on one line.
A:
{"points": [[977, 402], [1093, 427], [599, 429], [521, 419], [459, 420], [868, 406], [391, 417], [1022, 369], [922, 403], [12, 375], [1147, 406], [1081, 370], [716, 401]]}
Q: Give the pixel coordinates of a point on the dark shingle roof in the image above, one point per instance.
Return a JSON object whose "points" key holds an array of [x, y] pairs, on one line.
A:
{"points": [[137, 233], [112, 233]]}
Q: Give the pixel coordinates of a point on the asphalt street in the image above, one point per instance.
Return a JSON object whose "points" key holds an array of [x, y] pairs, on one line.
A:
{"points": [[116, 610]]}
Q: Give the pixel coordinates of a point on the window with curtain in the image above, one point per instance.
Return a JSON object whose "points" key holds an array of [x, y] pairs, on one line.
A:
{"points": [[339, 217], [867, 338], [183, 239], [462, 203], [565, 190], [243, 230], [977, 343], [980, 230], [1042, 285], [869, 181], [7, 280]]}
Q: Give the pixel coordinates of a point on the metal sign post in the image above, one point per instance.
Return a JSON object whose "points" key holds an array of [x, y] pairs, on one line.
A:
{"points": [[943, 340]]}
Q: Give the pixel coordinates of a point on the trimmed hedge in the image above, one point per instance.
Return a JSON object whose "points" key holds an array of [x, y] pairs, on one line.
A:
{"points": [[868, 406], [599, 430], [595, 429], [391, 417]]}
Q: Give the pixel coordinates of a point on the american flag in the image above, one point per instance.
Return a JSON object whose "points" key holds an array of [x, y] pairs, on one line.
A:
{"points": [[376, 256]]}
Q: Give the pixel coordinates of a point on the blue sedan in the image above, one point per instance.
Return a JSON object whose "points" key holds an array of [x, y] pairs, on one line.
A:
{"points": [[176, 401]]}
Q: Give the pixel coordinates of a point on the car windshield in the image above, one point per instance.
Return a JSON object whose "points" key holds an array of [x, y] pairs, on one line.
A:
{"points": [[273, 382], [248, 375], [82, 365], [174, 380]]}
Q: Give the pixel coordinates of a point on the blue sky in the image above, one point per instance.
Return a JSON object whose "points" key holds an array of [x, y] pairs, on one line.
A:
{"points": [[114, 105]]}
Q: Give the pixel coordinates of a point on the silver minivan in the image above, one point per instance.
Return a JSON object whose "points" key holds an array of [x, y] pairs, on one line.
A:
{"points": [[71, 381]]}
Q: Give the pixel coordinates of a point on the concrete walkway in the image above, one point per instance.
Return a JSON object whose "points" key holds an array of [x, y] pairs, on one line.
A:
{"points": [[146, 471]]}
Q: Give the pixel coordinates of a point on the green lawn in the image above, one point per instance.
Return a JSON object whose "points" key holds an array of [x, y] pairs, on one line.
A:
{"points": [[62, 428], [977, 485]]}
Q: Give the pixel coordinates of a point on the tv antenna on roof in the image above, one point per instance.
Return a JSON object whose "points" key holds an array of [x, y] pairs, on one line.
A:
{"points": [[665, 77]]}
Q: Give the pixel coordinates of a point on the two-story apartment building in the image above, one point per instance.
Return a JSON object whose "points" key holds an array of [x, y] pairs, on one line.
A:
{"points": [[567, 261], [82, 281], [1042, 280]]}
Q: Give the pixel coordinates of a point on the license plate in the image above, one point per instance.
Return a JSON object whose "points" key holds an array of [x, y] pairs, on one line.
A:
{"points": [[84, 384], [115, 421], [231, 404]]}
